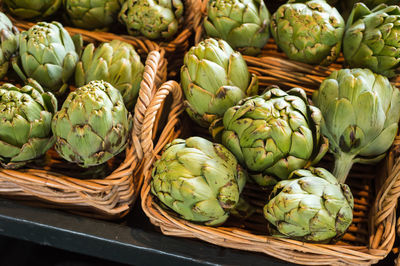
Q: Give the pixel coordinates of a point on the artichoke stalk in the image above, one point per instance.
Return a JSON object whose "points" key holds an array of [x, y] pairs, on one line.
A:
{"points": [[49, 55], [273, 134], [214, 78], [308, 31], [199, 180], [361, 111], [25, 123], [310, 206], [115, 62], [33, 9], [8, 43], [372, 39], [154, 19], [244, 24], [89, 14], [93, 125]]}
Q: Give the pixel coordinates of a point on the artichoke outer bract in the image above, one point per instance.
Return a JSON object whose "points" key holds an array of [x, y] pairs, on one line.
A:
{"points": [[244, 24], [199, 180], [47, 54], [310, 206], [93, 125], [25, 124], [372, 39], [361, 111], [154, 19], [308, 31], [115, 62], [30, 9], [8, 43], [214, 77], [273, 134], [92, 15]]}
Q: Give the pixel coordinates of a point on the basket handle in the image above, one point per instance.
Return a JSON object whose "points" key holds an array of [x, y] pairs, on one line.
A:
{"points": [[198, 20], [149, 124], [383, 216]]}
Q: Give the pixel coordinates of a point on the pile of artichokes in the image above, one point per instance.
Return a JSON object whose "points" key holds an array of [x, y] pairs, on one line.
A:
{"points": [[154, 19], [94, 122]]}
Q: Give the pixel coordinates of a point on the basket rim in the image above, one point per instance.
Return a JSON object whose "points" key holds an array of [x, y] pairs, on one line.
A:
{"points": [[119, 185]]}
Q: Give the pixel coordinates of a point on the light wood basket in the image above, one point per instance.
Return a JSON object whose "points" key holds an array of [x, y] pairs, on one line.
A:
{"points": [[376, 188], [56, 183]]}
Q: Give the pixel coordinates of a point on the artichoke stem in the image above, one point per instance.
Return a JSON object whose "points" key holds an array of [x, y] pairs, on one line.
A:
{"points": [[343, 164]]}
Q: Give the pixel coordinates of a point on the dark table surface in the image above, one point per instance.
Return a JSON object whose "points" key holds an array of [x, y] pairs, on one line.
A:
{"points": [[66, 239]]}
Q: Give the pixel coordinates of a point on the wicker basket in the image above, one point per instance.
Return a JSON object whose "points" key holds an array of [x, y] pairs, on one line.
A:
{"points": [[174, 49], [369, 239], [59, 184]]}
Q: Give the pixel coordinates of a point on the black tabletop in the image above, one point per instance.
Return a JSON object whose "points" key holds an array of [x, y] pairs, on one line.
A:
{"points": [[133, 240]]}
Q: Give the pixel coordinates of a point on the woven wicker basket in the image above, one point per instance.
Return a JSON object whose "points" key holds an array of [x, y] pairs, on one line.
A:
{"points": [[59, 184], [375, 188], [174, 49]]}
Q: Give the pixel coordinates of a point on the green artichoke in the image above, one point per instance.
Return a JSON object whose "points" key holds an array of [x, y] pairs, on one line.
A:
{"points": [[372, 39], [154, 19], [311, 206], [89, 14], [29, 9], [48, 55], [360, 111], [199, 180], [274, 134], [244, 24], [8, 43], [214, 78], [25, 124], [117, 63], [93, 125], [308, 31]]}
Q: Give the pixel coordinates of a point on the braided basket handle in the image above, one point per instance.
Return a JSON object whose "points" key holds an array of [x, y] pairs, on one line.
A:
{"points": [[198, 22], [149, 124]]}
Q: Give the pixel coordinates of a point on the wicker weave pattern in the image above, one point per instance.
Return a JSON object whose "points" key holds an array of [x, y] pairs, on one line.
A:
{"points": [[372, 234], [106, 198]]}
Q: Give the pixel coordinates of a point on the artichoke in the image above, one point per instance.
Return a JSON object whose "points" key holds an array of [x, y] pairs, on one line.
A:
{"points": [[117, 63], [93, 124], [48, 55], [360, 111], [25, 124], [90, 14], [199, 180], [311, 206], [214, 78], [244, 24], [154, 19], [308, 31], [372, 39], [8, 43], [29, 9], [274, 134]]}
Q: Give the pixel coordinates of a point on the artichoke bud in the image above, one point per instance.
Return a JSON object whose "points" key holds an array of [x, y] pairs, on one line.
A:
{"points": [[199, 180], [361, 111], [371, 41], [308, 31], [93, 125], [48, 55], [164, 17], [8, 43], [25, 124], [33, 9], [273, 134], [115, 62], [214, 77], [92, 15], [244, 24], [310, 206]]}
